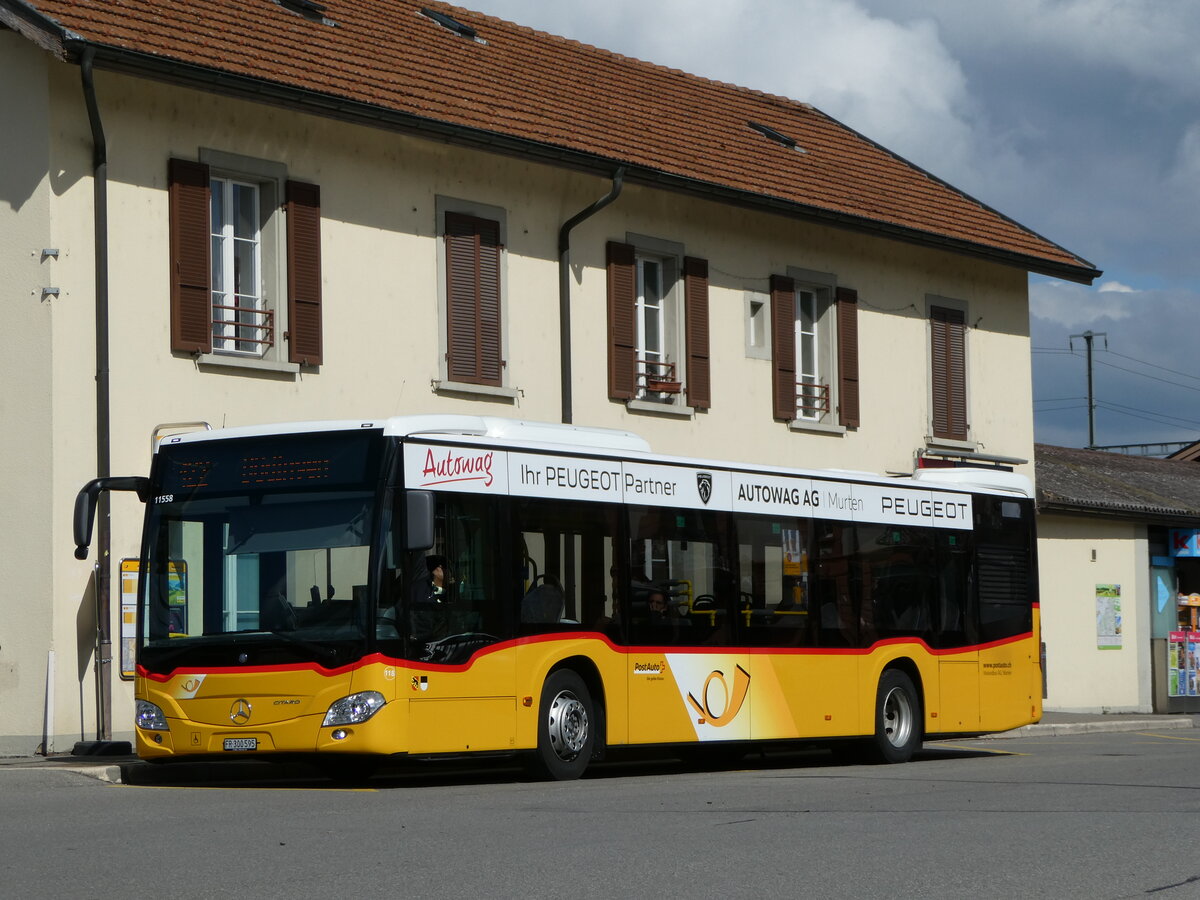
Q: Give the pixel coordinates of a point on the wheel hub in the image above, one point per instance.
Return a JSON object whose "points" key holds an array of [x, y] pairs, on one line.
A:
{"points": [[897, 717], [568, 726]]}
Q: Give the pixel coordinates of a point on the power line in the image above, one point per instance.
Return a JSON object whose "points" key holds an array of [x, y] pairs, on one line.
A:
{"points": [[1186, 387], [1154, 365], [1056, 409], [1100, 362], [1160, 418]]}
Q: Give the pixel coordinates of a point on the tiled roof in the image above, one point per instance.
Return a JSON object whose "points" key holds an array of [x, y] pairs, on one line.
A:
{"points": [[529, 91], [1115, 484]]}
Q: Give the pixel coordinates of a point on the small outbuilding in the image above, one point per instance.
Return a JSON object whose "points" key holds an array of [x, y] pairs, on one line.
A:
{"points": [[1119, 557]]}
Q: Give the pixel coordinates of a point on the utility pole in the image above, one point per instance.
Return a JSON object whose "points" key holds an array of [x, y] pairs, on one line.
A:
{"points": [[1088, 337]]}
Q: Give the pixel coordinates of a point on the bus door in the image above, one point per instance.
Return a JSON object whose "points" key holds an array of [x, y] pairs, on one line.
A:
{"points": [[454, 608], [686, 680], [956, 631], [796, 612]]}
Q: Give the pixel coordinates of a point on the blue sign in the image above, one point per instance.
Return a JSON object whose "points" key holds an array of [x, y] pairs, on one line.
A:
{"points": [[1185, 541]]}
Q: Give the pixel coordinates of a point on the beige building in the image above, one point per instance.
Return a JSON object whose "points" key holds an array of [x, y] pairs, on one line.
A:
{"points": [[228, 213]]}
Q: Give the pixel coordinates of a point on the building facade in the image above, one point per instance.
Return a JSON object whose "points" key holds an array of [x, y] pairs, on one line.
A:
{"points": [[220, 213]]}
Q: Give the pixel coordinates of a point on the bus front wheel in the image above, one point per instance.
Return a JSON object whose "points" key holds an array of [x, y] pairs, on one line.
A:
{"points": [[566, 727], [897, 718]]}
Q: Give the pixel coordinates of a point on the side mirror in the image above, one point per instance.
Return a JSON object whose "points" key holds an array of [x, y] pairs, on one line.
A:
{"points": [[419, 524], [85, 505]]}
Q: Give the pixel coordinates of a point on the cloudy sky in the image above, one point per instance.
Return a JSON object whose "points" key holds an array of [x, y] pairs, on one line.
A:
{"points": [[1078, 118]]}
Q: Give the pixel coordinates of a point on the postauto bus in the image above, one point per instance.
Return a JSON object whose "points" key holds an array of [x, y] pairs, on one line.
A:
{"points": [[450, 585]]}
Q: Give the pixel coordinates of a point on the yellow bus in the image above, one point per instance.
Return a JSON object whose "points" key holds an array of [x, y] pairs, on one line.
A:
{"points": [[431, 586]]}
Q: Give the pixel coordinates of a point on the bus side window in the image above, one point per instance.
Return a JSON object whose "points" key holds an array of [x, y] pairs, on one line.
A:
{"points": [[448, 622], [688, 556], [776, 601], [563, 552], [897, 580], [834, 584]]}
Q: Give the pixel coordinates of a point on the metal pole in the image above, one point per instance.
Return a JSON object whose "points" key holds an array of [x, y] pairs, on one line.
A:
{"points": [[1088, 338]]}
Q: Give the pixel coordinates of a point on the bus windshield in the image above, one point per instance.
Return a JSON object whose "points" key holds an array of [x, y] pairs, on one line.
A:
{"points": [[260, 555]]}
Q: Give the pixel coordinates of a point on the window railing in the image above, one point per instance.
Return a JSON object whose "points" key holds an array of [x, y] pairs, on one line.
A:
{"points": [[658, 377], [243, 329], [812, 399]]}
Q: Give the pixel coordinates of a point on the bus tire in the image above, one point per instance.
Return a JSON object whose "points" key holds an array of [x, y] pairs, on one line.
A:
{"points": [[897, 718], [566, 727]]}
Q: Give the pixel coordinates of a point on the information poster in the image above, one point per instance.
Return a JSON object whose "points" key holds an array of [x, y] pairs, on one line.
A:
{"points": [[1108, 617], [129, 578], [177, 608]]}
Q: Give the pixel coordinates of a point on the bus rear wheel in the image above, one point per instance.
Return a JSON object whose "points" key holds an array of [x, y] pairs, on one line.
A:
{"points": [[897, 718], [566, 727]]}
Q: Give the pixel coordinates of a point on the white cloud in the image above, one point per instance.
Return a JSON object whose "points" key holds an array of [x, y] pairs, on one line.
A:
{"points": [[1185, 172], [1077, 306], [1115, 287], [895, 82], [1149, 39]]}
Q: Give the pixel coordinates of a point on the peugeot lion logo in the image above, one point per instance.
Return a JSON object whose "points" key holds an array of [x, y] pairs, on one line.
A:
{"points": [[239, 713], [704, 485]]}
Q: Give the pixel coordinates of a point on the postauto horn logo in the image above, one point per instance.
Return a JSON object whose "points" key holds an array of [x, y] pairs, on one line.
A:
{"points": [[730, 703]]}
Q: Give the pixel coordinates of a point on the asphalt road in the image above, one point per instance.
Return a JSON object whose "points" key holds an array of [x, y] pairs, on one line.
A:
{"points": [[1109, 815]]}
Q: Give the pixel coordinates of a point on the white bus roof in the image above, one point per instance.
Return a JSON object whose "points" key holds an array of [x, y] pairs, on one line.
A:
{"points": [[607, 442]]}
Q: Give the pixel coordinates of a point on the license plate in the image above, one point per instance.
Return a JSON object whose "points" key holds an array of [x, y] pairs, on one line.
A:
{"points": [[241, 743]]}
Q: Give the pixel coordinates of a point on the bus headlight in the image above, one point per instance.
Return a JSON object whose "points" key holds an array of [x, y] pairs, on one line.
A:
{"points": [[354, 709], [149, 717]]}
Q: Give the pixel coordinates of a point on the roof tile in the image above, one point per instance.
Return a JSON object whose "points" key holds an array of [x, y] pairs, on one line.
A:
{"points": [[533, 86], [1096, 481]]}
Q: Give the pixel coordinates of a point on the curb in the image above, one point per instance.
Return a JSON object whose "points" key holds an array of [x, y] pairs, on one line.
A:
{"points": [[108, 774], [1098, 726]]}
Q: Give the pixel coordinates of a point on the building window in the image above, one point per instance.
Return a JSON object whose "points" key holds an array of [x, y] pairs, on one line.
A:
{"points": [[658, 324], [948, 370], [656, 318], [813, 363], [235, 256], [241, 321], [472, 295], [814, 347]]}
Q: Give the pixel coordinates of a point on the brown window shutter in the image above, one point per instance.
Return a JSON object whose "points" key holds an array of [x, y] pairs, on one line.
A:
{"points": [[622, 335], [847, 350], [474, 333], [695, 300], [191, 257], [783, 347], [948, 372], [304, 273]]}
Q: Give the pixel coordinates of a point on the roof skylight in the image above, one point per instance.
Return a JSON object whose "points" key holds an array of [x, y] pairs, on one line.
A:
{"points": [[310, 9], [454, 25], [776, 136]]}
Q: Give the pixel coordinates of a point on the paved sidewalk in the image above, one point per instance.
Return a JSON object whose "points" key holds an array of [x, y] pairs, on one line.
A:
{"points": [[1056, 723], [102, 768]]}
